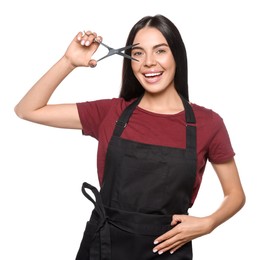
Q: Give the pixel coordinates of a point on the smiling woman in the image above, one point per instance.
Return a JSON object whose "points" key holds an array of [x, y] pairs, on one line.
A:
{"points": [[156, 66], [150, 136]]}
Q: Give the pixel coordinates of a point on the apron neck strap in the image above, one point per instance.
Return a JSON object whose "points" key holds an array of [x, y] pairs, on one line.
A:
{"points": [[122, 122]]}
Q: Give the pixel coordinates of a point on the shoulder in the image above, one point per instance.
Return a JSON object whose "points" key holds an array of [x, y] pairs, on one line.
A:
{"points": [[212, 134], [209, 123], [96, 111], [96, 114], [206, 116]]}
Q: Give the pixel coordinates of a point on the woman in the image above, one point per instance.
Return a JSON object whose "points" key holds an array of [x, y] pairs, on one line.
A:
{"points": [[153, 147]]}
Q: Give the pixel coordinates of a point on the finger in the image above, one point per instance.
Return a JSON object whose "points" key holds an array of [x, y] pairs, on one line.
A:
{"points": [[171, 245], [175, 220], [86, 37], [91, 36], [164, 237], [98, 39], [88, 33], [79, 36], [174, 247], [92, 63], [171, 249], [83, 39]]}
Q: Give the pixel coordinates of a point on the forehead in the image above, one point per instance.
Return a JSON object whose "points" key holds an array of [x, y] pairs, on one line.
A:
{"points": [[149, 35]]}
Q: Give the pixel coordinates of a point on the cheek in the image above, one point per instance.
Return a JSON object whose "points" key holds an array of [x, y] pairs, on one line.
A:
{"points": [[135, 67], [136, 70], [169, 66], [167, 62]]}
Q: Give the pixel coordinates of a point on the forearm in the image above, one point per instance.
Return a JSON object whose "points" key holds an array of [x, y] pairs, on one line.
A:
{"points": [[234, 196], [39, 95], [230, 206]]}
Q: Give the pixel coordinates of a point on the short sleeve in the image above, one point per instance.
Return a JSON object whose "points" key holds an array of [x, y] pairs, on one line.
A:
{"points": [[220, 148], [91, 114]]}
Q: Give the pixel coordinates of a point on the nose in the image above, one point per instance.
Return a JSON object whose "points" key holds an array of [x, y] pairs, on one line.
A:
{"points": [[149, 60]]}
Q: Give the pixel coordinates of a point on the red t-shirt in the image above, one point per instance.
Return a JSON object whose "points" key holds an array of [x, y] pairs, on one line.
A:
{"points": [[213, 143]]}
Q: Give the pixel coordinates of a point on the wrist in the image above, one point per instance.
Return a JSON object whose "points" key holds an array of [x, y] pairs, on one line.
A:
{"points": [[209, 224], [67, 63]]}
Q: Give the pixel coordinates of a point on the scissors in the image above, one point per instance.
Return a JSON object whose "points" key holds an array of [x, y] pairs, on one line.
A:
{"points": [[112, 51]]}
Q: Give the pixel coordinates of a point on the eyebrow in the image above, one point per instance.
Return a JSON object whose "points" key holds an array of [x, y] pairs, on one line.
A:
{"points": [[154, 47]]}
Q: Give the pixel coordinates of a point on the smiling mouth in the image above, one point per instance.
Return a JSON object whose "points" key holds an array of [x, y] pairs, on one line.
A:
{"points": [[152, 75]]}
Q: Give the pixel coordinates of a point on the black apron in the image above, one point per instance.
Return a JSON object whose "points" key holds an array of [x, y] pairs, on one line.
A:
{"points": [[143, 186]]}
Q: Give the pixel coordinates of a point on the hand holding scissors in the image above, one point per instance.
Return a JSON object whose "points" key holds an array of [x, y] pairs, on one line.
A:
{"points": [[112, 51]]}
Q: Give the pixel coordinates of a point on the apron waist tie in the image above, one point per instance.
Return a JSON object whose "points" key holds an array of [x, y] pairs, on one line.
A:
{"points": [[139, 223], [132, 222], [98, 218]]}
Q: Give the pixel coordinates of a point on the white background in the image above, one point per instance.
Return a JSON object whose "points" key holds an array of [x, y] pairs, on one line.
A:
{"points": [[43, 211]]}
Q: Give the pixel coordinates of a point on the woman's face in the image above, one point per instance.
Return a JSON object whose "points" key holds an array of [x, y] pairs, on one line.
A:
{"points": [[155, 68]]}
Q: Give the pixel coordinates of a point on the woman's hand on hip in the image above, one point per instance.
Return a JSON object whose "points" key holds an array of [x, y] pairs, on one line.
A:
{"points": [[186, 228]]}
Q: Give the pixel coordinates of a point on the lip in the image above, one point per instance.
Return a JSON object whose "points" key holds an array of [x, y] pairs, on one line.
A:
{"points": [[152, 73], [152, 76]]}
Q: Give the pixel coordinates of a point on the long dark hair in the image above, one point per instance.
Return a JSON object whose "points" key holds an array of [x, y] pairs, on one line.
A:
{"points": [[130, 87]]}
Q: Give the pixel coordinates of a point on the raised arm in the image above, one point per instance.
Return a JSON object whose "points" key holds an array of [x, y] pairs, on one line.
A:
{"points": [[34, 105]]}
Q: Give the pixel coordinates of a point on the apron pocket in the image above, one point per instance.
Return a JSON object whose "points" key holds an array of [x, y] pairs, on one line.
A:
{"points": [[143, 184]]}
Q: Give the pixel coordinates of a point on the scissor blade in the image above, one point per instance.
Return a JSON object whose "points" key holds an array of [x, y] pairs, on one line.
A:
{"points": [[127, 56], [127, 47]]}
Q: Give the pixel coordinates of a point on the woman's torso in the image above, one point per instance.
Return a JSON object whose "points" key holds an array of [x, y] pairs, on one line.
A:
{"points": [[98, 119]]}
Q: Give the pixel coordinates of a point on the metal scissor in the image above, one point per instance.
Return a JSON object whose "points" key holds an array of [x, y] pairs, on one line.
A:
{"points": [[112, 51]]}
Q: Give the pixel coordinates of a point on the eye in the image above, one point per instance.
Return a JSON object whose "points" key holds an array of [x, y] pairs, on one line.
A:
{"points": [[159, 51], [137, 53]]}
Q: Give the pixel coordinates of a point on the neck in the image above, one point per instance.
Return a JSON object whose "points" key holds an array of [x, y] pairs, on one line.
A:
{"points": [[168, 103]]}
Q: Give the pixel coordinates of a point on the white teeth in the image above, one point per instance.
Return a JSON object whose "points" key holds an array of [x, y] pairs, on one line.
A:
{"points": [[152, 74]]}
